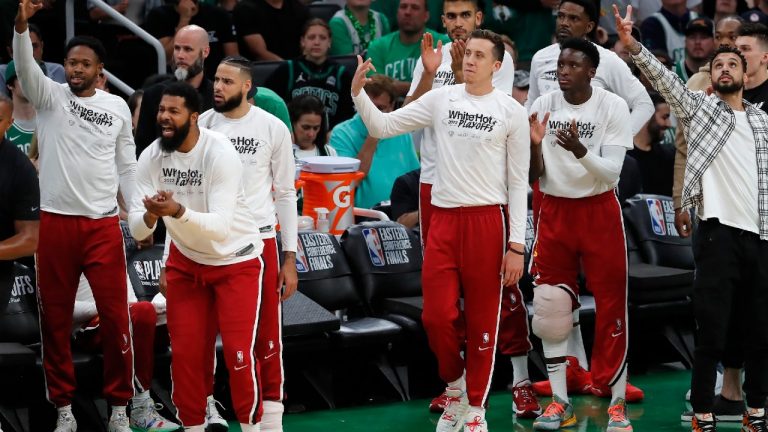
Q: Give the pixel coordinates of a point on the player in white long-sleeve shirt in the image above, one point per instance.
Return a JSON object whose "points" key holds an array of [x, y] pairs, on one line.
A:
{"points": [[577, 152], [86, 150], [265, 148], [475, 246], [437, 68], [191, 177]]}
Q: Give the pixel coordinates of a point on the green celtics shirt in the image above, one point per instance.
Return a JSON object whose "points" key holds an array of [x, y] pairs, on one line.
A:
{"points": [[20, 134], [395, 59]]}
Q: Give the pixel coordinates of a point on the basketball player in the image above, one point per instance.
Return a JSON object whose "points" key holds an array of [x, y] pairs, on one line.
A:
{"points": [[577, 154], [191, 177], [481, 167], [264, 145]]}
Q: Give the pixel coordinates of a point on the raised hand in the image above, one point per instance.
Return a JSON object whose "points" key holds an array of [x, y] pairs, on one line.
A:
{"points": [[27, 9], [360, 79], [538, 129], [458, 49], [431, 58], [624, 26]]}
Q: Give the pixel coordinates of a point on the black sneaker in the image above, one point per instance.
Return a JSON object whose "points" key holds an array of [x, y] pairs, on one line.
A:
{"points": [[725, 410], [753, 423], [703, 425]]}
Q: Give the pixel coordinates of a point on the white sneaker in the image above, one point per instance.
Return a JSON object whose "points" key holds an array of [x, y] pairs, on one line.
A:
{"points": [[119, 422], [144, 416], [66, 422], [456, 407], [475, 422], [272, 419], [213, 420]]}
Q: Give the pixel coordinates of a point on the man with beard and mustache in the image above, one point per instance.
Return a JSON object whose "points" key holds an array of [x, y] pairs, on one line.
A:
{"points": [[190, 49], [726, 181], [655, 160], [266, 151], [191, 177], [86, 152], [579, 18]]}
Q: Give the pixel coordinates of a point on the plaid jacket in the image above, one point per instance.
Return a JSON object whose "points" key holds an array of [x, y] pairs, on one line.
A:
{"points": [[709, 123]]}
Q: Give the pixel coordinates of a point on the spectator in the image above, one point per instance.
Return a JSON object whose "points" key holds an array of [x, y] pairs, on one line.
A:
{"points": [[19, 204], [307, 114], [190, 52], [24, 116], [395, 55], [270, 29], [664, 29], [757, 14], [314, 73], [54, 71], [405, 199], [699, 46], [719, 9], [382, 161], [79, 223], [727, 29], [143, 316], [655, 160], [355, 27], [134, 104], [531, 25], [165, 21], [272, 103], [520, 89], [390, 8]]}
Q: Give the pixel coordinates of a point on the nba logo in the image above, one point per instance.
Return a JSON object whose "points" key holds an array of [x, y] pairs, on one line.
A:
{"points": [[657, 216], [302, 266], [375, 250], [139, 270], [240, 357]]}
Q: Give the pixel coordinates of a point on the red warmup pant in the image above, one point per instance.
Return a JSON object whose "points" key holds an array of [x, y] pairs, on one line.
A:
{"points": [[425, 212], [269, 338], [463, 258], [588, 233], [198, 296], [69, 246], [143, 324]]}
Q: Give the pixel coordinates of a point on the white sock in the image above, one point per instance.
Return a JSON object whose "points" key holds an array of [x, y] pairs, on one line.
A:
{"points": [[556, 371], [141, 396], [117, 410], [460, 383], [576, 343], [619, 389], [65, 409], [519, 370]]}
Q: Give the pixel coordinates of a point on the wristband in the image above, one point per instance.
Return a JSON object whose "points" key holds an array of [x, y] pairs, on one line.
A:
{"points": [[516, 252], [178, 212]]}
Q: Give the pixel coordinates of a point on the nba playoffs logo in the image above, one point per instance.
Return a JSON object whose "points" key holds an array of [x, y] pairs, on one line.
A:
{"points": [[375, 250], [302, 266], [656, 212]]}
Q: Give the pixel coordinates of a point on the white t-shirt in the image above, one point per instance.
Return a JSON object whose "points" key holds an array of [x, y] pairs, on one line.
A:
{"points": [[483, 147], [298, 153], [264, 145], [602, 121], [729, 184], [503, 80], [85, 143], [217, 227], [612, 74]]}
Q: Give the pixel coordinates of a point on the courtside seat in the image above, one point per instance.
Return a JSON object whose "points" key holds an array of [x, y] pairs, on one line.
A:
{"points": [[325, 11], [144, 271], [652, 220], [262, 70]]}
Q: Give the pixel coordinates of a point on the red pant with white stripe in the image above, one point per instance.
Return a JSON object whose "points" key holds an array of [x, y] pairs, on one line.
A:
{"points": [[463, 258], [198, 296], [425, 211], [588, 233], [69, 246], [143, 325], [269, 343]]}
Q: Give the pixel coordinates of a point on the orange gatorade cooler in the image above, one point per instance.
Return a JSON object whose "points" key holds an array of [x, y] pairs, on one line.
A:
{"points": [[329, 182]]}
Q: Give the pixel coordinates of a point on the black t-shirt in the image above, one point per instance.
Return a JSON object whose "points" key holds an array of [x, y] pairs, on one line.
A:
{"points": [[330, 82], [162, 21], [630, 179], [280, 28], [758, 96], [405, 194], [19, 198], [656, 168]]}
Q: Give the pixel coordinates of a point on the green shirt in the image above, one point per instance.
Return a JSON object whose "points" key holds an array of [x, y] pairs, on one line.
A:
{"points": [[270, 102], [342, 42], [531, 30], [396, 60], [20, 136]]}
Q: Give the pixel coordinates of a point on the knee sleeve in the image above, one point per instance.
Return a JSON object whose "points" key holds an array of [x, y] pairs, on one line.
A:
{"points": [[553, 313]]}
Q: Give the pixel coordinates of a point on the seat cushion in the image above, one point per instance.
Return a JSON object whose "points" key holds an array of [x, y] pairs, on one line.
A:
{"points": [[366, 331], [14, 354], [410, 307], [650, 283]]}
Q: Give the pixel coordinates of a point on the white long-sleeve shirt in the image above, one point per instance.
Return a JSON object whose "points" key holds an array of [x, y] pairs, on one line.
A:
{"points": [[217, 227], [86, 144], [503, 80], [603, 125], [612, 74], [483, 147], [266, 151]]}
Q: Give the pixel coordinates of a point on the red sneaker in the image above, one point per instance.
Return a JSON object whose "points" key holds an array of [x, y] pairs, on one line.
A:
{"points": [[438, 404], [524, 402], [578, 379], [633, 395]]}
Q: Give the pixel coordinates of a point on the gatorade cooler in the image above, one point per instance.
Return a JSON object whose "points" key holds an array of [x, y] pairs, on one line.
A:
{"points": [[329, 182]]}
